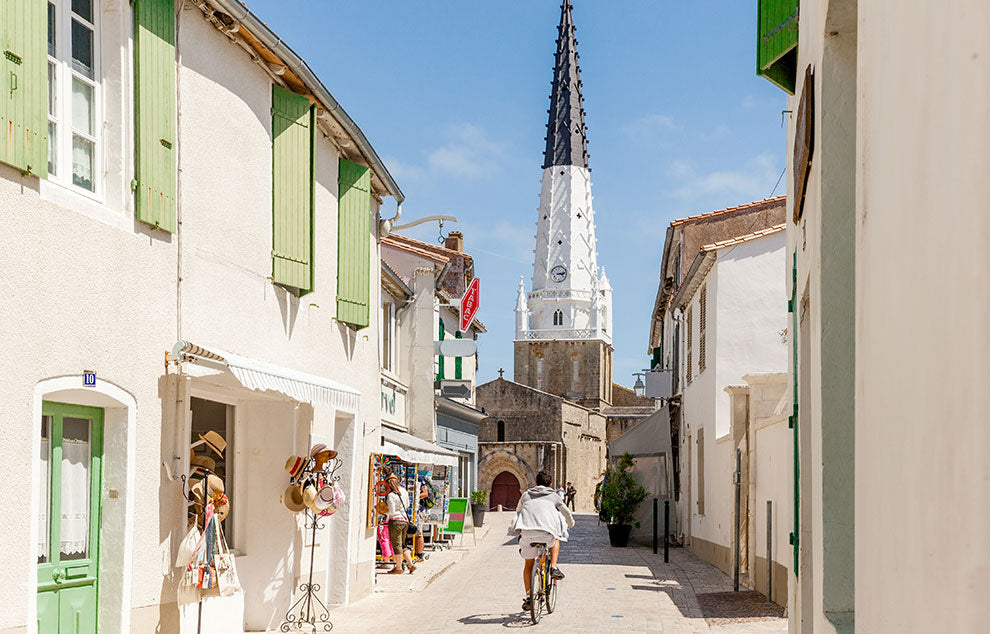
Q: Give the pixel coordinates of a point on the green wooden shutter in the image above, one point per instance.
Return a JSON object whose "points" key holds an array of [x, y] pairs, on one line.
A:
{"points": [[458, 361], [353, 244], [154, 111], [777, 41], [441, 374], [292, 189], [24, 85]]}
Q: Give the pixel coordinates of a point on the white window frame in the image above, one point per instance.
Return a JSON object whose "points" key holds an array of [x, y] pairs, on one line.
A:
{"points": [[233, 486], [390, 326], [62, 117]]}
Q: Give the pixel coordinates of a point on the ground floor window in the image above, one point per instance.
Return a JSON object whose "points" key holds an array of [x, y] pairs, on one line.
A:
{"points": [[211, 442]]}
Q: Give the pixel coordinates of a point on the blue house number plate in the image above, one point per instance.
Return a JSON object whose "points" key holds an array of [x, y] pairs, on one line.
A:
{"points": [[89, 378]]}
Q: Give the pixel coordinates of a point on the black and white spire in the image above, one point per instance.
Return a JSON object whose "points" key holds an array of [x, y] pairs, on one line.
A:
{"points": [[567, 143]]}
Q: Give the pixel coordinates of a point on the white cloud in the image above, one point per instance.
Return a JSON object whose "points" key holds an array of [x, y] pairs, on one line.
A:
{"points": [[402, 170], [468, 152], [753, 181], [653, 128], [681, 169]]}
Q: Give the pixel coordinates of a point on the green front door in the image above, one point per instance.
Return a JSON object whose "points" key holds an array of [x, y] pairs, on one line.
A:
{"points": [[68, 529]]}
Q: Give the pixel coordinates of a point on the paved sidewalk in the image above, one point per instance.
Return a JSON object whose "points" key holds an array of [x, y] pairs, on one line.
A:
{"points": [[606, 590]]}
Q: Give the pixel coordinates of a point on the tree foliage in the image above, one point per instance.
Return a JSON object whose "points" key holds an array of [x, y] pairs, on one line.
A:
{"points": [[621, 495]]}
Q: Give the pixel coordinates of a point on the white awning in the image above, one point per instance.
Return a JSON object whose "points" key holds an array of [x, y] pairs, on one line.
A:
{"points": [[415, 450], [258, 375], [650, 437]]}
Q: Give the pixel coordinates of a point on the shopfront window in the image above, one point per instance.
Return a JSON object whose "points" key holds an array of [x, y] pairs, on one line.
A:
{"points": [[212, 441]]}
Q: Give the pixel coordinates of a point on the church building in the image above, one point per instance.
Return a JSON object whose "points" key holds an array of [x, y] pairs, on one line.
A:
{"points": [[556, 413]]}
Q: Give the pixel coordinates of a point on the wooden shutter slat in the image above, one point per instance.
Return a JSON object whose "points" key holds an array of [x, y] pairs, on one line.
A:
{"points": [[24, 85], [292, 189], [353, 244], [155, 140], [777, 39]]}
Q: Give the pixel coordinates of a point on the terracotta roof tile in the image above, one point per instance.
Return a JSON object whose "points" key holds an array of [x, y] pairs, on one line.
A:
{"points": [[412, 248], [745, 238], [426, 246], [765, 201]]}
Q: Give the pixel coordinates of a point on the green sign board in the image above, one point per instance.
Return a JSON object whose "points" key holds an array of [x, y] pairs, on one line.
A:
{"points": [[456, 510]]}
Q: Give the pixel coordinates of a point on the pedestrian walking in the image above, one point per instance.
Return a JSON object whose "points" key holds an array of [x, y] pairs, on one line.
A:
{"points": [[569, 494], [398, 525]]}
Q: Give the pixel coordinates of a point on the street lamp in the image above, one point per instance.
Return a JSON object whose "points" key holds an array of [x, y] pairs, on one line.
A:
{"points": [[639, 387]]}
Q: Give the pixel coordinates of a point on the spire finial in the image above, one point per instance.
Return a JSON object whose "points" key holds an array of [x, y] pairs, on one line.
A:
{"points": [[567, 143]]}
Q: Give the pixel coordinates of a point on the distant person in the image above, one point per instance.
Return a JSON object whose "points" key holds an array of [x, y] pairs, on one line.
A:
{"points": [[560, 493], [542, 518], [569, 496], [598, 496]]}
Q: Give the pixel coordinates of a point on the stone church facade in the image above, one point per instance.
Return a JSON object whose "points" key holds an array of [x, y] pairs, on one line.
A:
{"points": [[555, 414]]}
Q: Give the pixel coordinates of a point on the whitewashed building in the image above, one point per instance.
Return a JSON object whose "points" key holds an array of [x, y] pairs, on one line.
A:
{"points": [[196, 221], [719, 323], [888, 244]]}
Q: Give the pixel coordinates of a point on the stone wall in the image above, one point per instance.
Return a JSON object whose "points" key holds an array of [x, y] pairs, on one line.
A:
{"points": [[528, 415], [576, 370]]}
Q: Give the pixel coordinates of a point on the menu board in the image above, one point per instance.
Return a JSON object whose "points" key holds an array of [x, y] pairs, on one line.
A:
{"points": [[456, 511]]}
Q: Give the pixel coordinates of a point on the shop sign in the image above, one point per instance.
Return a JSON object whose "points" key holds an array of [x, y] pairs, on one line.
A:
{"points": [[89, 378], [470, 304]]}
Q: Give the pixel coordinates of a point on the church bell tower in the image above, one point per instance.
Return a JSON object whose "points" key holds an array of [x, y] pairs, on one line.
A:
{"points": [[563, 339]]}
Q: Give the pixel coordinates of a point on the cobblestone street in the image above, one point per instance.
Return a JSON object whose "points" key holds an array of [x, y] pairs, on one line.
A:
{"points": [[606, 589]]}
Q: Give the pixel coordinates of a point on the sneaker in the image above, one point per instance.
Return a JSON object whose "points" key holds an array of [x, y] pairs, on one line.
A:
{"points": [[556, 574], [526, 604]]}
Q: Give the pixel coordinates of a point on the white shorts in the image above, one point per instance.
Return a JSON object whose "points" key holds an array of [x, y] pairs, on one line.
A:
{"points": [[534, 537]]}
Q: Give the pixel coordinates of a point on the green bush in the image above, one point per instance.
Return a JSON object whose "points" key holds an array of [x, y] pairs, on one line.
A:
{"points": [[479, 497], [621, 495]]}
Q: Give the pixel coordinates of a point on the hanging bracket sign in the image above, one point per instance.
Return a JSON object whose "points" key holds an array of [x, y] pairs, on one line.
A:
{"points": [[469, 304]]}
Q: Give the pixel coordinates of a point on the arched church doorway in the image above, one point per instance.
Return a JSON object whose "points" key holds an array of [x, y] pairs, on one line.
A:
{"points": [[505, 491]]}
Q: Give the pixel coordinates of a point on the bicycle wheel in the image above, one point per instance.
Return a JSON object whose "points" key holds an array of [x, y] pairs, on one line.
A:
{"points": [[550, 594], [536, 590]]}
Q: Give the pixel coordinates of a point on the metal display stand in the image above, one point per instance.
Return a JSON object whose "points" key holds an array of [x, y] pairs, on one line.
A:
{"points": [[309, 612]]}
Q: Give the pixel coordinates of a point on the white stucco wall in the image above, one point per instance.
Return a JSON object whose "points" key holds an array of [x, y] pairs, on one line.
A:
{"points": [[88, 288]]}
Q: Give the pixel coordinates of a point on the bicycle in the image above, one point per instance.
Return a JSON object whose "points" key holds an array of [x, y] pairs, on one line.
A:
{"points": [[542, 587]]}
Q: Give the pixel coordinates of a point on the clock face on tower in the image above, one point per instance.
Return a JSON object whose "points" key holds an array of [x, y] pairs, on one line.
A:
{"points": [[558, 273]]}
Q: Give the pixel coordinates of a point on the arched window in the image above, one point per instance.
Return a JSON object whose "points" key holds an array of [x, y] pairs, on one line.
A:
{"points": [[558, 318], [501, 431]]}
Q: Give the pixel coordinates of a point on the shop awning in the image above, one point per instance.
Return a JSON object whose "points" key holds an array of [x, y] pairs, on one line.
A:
{"points": [[651, 437], [415, 450], [258, 375]]}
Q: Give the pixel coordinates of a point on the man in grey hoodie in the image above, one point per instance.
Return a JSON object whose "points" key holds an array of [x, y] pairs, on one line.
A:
{"points": [[541, 518]]}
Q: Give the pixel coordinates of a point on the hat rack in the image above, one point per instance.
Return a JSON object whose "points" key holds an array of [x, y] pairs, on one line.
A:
{"points": [[309, 612]]}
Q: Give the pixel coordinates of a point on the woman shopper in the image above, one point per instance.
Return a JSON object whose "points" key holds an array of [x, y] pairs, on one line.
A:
{"points": [[398, 525]]}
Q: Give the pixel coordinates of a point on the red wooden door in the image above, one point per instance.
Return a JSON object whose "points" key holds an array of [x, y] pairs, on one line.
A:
{"points": [[505, 491]]}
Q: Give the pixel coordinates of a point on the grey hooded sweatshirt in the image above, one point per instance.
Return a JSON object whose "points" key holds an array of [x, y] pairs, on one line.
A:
{"points": [[541, 509]]}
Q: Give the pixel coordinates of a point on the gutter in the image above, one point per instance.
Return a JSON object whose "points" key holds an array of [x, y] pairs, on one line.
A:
{"points": [[274, 43], [703, 257]]}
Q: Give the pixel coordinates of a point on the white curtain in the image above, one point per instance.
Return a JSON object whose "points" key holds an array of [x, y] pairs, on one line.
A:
{"points": [[44, 501], [75, 496]]}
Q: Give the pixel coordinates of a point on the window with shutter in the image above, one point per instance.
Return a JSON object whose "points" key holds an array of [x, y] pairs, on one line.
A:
{"points": [[777, 42], [23, 86], [154, 113], [292, 190], [702, 311], [353, 244]]}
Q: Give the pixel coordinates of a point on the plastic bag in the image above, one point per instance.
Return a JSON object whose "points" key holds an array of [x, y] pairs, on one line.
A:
{"points": [[188, 547]]}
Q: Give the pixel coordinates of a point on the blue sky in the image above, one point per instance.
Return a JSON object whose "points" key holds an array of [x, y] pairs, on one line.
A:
{"points": [[453, 96]]}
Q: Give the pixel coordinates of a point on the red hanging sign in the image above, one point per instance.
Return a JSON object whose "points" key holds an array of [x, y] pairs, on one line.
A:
{"points": [[469, 304]]}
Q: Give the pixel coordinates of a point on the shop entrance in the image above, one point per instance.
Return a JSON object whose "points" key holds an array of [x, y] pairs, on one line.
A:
{"points": [[68, 548], [505, 491]]}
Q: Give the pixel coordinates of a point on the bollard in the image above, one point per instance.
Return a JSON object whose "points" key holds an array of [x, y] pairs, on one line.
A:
{"points": [[654, 526], [666, 531], [769, 551]]}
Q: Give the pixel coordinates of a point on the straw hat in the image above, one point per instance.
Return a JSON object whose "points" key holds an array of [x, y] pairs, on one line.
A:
{"points": [[323, 499], [309, 493], [293, 498], [215, 488], [214, 441], [204, 462], [294, 465]]}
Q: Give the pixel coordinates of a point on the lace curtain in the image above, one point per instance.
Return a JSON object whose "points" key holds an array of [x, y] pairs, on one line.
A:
{"points": [[75, 498]]}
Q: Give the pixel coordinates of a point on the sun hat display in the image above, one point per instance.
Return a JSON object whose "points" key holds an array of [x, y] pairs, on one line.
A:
{"points": [[309, 493], [214, 488], [293, 498], [204, 462], [214, 441], [323, 499], [294, 465]]}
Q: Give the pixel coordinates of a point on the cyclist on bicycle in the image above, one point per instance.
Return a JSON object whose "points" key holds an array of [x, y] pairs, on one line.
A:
{"points": [[542, 518]]}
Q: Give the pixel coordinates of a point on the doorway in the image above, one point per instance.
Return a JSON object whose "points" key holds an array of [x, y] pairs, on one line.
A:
{"points": [[68, 549], [505, 491]]}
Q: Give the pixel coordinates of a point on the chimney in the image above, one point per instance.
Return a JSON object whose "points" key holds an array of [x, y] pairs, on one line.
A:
{"points": [[455, 241]]}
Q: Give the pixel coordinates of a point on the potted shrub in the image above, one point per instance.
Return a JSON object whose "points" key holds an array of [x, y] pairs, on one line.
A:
{"points": [[479, 502], [621, 496]]}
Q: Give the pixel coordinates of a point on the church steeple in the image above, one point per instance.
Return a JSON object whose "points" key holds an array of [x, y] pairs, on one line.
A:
{"points": [[567, 143]]}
